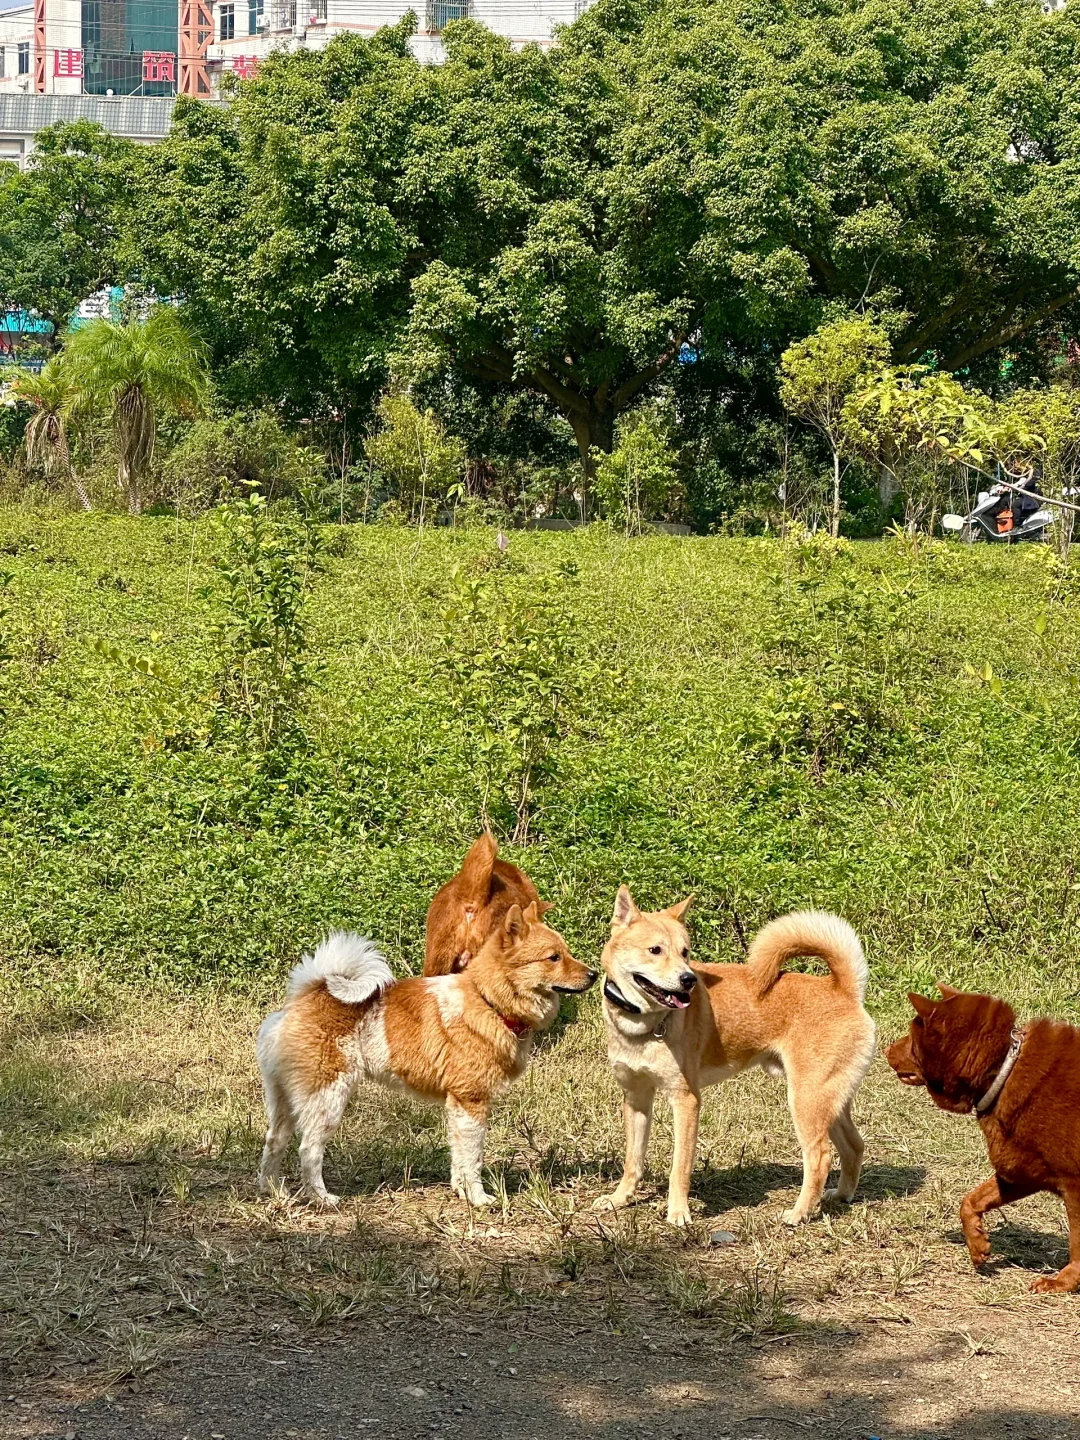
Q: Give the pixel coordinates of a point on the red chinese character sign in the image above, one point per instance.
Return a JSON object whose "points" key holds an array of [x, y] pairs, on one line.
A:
{"points": [[245, 65], [158, 65], [68, 65]]}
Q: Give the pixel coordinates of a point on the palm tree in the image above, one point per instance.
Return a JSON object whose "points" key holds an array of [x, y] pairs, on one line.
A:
{"points": [[132, 371], [46, 437]]}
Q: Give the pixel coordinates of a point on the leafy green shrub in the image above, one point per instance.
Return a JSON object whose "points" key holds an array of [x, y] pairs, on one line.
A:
{"points": [[829, 647], [514, 677], [266, 568], [638, 481], [221, 458], [13, 422], [424, 465]]}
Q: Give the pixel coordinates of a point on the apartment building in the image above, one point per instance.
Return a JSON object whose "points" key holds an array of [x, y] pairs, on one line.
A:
{"points": [[245, 31]]}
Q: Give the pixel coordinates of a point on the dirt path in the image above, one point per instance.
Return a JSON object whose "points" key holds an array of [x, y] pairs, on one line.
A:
{"points": [[559, 1374]]}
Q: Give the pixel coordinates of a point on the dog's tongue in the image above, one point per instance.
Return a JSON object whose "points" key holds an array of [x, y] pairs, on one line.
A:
{"points": [[677, 1003]]}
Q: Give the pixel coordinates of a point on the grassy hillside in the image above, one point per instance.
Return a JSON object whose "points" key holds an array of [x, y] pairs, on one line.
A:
{"points": [[765, 724]]}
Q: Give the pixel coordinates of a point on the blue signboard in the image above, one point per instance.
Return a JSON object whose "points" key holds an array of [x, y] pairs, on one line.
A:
{"points": [[23, 322]]}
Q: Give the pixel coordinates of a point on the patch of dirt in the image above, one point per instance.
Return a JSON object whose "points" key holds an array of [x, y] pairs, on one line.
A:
{"points": [[552, 1375]]}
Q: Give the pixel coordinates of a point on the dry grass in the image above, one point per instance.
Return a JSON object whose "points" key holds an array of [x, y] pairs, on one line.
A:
{"points": [[129, 1226]]}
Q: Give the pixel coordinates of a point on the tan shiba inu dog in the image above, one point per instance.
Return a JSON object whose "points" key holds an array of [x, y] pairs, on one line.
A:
{"points": [[454, 1039], [676, 1027]]}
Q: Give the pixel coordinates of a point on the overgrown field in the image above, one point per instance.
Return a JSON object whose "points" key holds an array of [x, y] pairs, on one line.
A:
{"points": [[891, 732], [888, 730]]}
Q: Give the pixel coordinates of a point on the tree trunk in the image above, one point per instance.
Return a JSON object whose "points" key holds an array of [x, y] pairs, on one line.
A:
{"points": [[65, 459], [592, 431], [834, 528], [82, 492], [129, 482], [887, 489]]}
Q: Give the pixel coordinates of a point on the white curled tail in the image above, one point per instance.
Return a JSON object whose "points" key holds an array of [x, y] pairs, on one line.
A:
{"points": [[809, 932], [349, 965]]}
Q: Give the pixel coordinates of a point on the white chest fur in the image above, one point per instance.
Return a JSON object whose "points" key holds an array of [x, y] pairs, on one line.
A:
{"points": [[639, 1054]]}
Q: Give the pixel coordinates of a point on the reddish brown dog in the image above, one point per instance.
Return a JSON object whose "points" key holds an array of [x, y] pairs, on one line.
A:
{"points": [[1024, 1087], [473, 905]]}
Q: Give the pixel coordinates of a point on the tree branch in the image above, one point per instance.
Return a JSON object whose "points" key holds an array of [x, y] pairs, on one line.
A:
{"points": [[629, 388], [1003, 335]]}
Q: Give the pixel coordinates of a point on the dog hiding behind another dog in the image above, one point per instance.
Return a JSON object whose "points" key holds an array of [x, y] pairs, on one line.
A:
{"points": [[675, 1026], [1023, 1086], [473, 904], [453, 1039]]}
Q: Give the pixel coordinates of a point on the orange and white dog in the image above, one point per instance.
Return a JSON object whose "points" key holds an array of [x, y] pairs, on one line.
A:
{"points": [[453, 1039], [676, 1026]]}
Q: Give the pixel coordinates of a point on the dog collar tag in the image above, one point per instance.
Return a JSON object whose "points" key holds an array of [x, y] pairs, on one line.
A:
{"points": [[516, 1027]]}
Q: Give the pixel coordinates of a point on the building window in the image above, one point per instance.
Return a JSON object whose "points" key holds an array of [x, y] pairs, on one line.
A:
{"points": [[227, 19], [2, 68], [255, 16], [441, 12], [318, 11], [284, 14], [24, 57]]}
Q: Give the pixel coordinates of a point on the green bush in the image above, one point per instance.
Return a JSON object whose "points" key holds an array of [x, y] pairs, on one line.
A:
{"points": [[231, 455], [638, 481]]}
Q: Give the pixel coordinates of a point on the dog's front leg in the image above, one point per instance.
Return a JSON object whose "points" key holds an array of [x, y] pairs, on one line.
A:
{"points": [[467, 1128], [1069, 1278], [637, 1116], [685, 1105], [990, 1195]]}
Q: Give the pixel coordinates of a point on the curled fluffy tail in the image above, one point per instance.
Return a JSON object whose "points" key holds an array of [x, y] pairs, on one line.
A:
{"points": [[348, 965], [809, 932]]}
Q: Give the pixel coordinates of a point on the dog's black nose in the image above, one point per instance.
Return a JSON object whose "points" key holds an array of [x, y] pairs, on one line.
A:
{"points": [[687, 979], [594, 975]]}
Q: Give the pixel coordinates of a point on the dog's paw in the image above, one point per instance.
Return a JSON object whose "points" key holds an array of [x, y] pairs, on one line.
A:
{"points": [[479, 1198], [617, 1200], [793, 1217], [978, 1244], [679, 1215], [840, 1197], [326, 1201], [1053, 1285]]}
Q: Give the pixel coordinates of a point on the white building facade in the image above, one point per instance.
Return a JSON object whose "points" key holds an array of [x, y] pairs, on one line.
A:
{"points": [[62, 58], [245, 31]]}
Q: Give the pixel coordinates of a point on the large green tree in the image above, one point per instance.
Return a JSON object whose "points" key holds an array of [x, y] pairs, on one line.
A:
{"points": [[674, 178], [61, 216]]}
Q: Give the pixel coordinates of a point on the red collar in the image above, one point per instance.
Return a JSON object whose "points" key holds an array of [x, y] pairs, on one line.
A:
{"points": [[516, 1027]]}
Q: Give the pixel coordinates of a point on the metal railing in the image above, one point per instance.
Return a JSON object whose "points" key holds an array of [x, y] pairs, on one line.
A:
{"points": [[441, 12]]}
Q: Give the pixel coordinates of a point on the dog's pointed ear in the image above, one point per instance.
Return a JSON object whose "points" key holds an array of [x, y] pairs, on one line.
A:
{"points": [[947, 991], [678, 912], [626, 912], [542, 907], [514, 926], [924, 1006], [476, 869], [531, 914]]}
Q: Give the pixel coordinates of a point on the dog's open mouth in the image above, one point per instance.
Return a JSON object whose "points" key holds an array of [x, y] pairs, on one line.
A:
{"points": [[673, 999]]}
